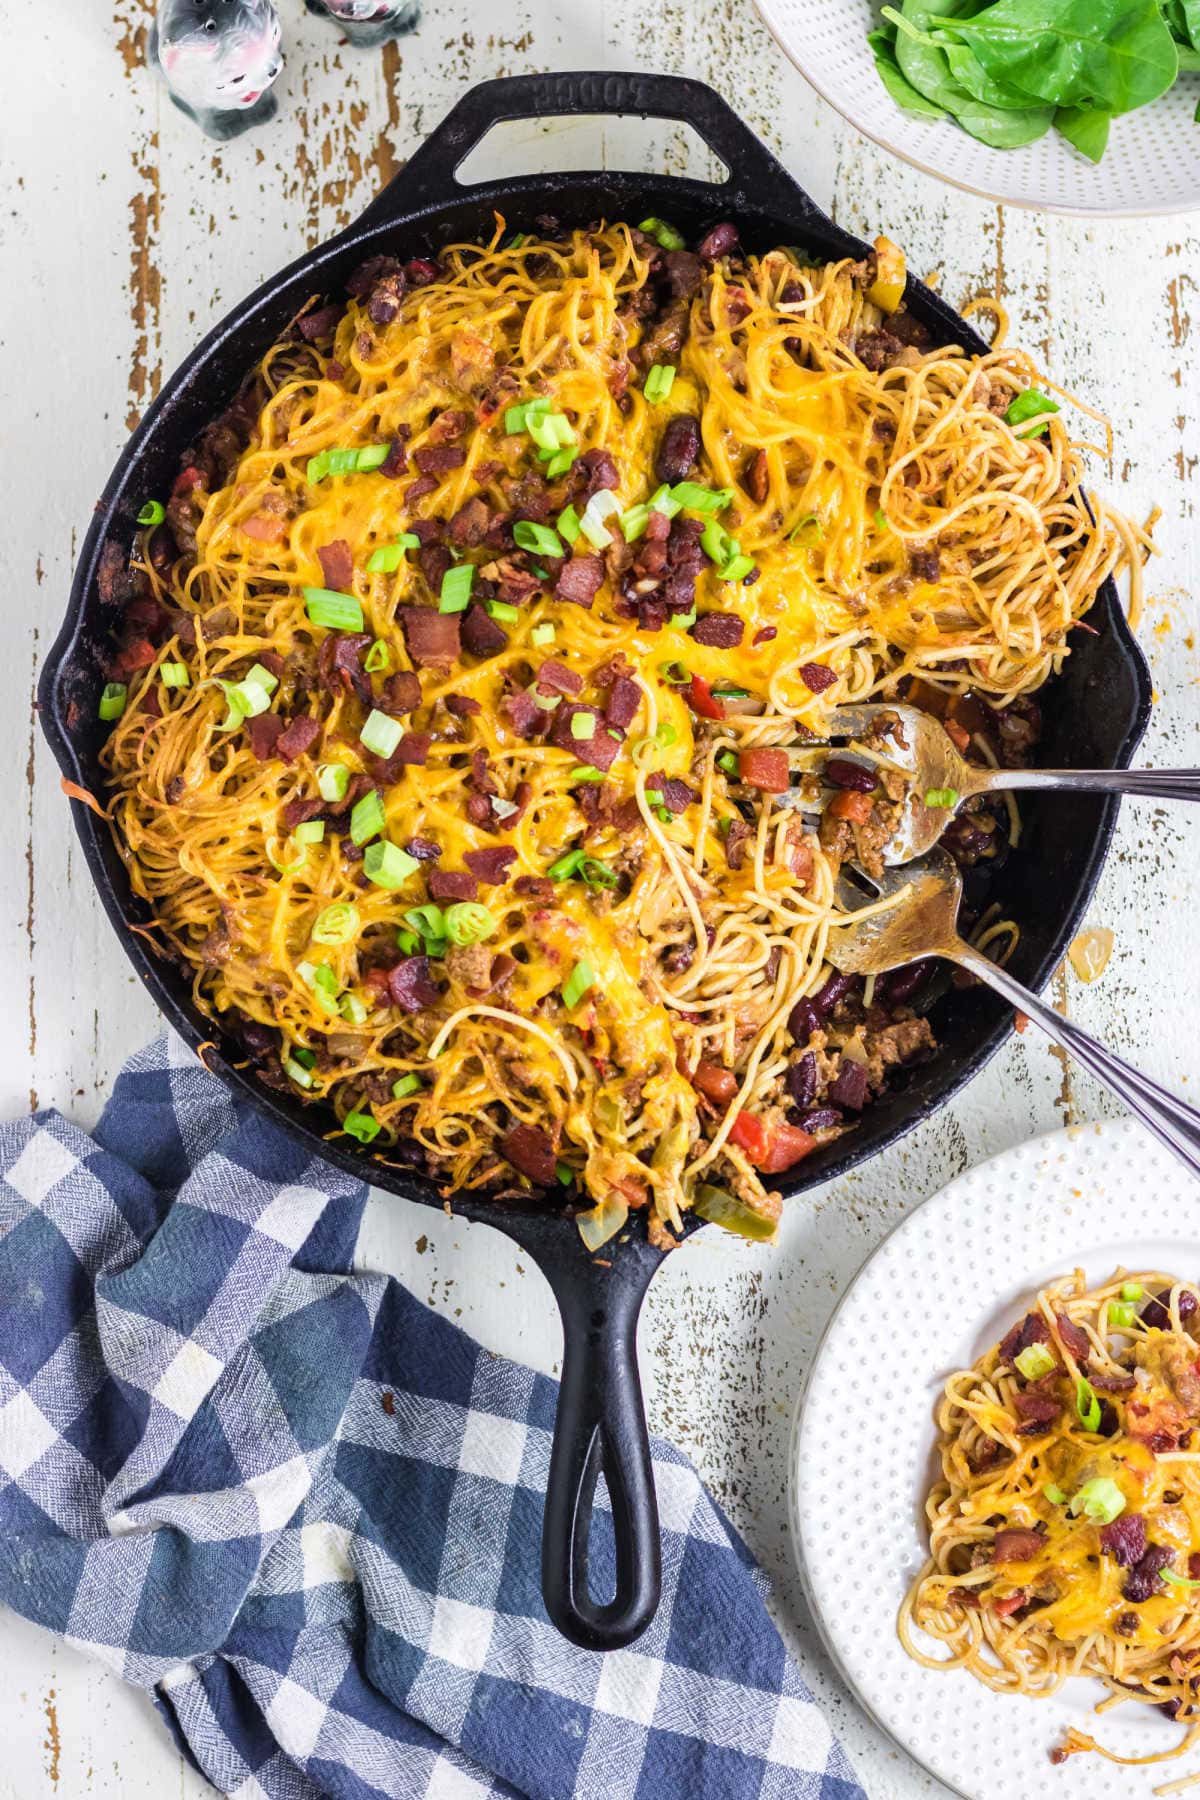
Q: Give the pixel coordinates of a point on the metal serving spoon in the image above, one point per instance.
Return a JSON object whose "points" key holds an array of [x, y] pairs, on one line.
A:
{"points": [[925, 924], [928, 755]]}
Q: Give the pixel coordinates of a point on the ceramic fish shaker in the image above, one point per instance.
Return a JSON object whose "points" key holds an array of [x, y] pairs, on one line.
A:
{"points": [[218, 59], [368, 22]]}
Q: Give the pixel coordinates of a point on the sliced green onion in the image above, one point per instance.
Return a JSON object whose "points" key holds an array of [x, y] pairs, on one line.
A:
{"points": [[387, 559], [725, 690], [336, 612], [1100, 1499], [542, 634], [633, 523], [252, 698], [645, 753], [1132, 1290], [322, 982], [516, 418], [701, 499], [1054, 1494], [738, 566], [380, 733], [682, 621], [598, 874], [262, 678], [881, 519], [803, 525], [665, 732], [550, 431], [406, 1085], [1087, 1406], [719, 1207], [310, 831], [378, 659], [456, 588], [942, 797], [333, 779], [564, 1172], [662, 501], [408, 941], [336, 924], [527, 535], [727, 760], [468, 922], [662, 233], [568, 524], [344, 462], [559, 463], [112, 700], [514, 243], [387, 865], [174, 675], [581, 978], [353, 1009], [1175, 1580], [427, 921], [565, 866], [583, 727], [1030, 405], [361, 1125], [306, 1058], [297, 1072], [1121, 1313], [659, 382], [582, 773], [1035, 1361], [713, 541], [602, 505], [153, 513], [367, 818], [501, 610]]}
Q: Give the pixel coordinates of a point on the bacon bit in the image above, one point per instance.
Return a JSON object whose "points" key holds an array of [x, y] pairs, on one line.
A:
{"points": [[856, 808], [800, 861], [337, 564], [74, 792], [817, 677], [1010, 1603], [764, 636], [959, 736], [766, 770], [139, 653], [265, 528], [964, 1597]]}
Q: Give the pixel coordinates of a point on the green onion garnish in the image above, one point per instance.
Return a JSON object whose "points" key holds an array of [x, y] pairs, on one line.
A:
{"points": [[426, 921], [514, 243], [727, 760], [659, 382], [1054, 1494], [408, 941], [701, 499], [583, 727], [942, 797], [565, 866], [1030, 405], [406, 1085], [713, 540], [320, 979], [502, 611], [803, 525], [1178, 1580], [174, 675], [468, 922], [881, 519], [1034, 1361], [262, 678], [676, 674], [1087, 1406], [725, 690], [378, 659], [387, 559], [542, 634], [602, 505], [1132, 1290], [306, 1058], [665, 733], [456, 588], [1100, 1499], [516, 418], [661, 501], [662, 233], [153, 513], [298, 1073], [581, 978], [582, 773], [336, 612], [568, 524], [633, 523], [112, 700], [353, 1009], [337, 924], [529, 536], [380, 733], [550, 431], [344, 462], [361, 1125], [310, 831], [682, 621], [387, 865], [738, 566], [332, 781], [564, 1172], [1121, 1313], [367, 818], [559, 463]]}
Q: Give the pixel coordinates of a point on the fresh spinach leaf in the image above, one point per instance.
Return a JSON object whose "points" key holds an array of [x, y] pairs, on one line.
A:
{"points": [[901, 90], [920, 61], [1086, 127], [927, 67], [975, 80], [1116, 54]]}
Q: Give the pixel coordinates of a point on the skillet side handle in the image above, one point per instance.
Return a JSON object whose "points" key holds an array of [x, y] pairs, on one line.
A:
{"points": [[429, 174]]}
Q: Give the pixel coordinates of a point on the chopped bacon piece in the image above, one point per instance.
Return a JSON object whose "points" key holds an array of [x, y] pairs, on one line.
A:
{"points": [[722, 630], [1073, 1336], [264, 732], [1015, 1544], [439, 459], [1010, 1603], [452, 884], [410, 986], [580, 579], [462, 706], [599, 750], [337, 564], [469, 525], [1125, 1538], [265, 527], [139, 653], [522, 712], [301, 734], [321, 323], [401, 693], [481, 636], [396, 460], [624, 698], [530, 1150], [1032, 1329], [491, 866], [555, 678], [817, 677], [675, 795], [767, 770], [431, 636]]}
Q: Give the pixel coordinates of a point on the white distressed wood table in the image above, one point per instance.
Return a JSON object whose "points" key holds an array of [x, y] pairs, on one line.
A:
{"points": [[126, 235]]}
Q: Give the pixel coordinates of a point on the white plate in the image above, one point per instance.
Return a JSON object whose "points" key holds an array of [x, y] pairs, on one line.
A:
{"points": [[935, 1295], [1152, 164]]}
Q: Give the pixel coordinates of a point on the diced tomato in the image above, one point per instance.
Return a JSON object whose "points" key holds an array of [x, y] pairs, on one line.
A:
{"points": [[958, 734], [1010, 1603], [137, 654], [187, 479], [770, 1148], [765, 769], [851, 806], [702, 700], [716, 1082], [376, 983], [265, 528]]}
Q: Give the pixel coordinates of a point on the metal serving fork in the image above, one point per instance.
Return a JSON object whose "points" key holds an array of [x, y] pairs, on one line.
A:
{"points": [[925, 923], [935, 766]]}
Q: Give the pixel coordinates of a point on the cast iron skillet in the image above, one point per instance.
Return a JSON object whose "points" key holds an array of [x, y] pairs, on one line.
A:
{"points": [[1095, 715]]}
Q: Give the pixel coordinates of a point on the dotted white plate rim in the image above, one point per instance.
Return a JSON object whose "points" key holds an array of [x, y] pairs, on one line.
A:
{"points": [[935, 1294], [1151, 166]]}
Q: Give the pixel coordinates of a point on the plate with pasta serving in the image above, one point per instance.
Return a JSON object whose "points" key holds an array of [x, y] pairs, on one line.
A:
{"points": [[1032, 1619]]}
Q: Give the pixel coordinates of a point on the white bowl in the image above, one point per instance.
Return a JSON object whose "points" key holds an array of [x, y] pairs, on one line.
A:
{"points": [[1152, 164]]}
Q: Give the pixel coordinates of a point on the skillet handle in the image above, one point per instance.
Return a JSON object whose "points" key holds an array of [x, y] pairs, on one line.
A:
{"points": [[600, 1425], [429, 174]]}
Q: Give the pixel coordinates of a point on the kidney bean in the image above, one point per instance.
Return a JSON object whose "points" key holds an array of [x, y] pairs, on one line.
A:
{"points": [[678, 449], [718, 242], [834, 991], [803, 1020], [1155, 1312], [823, 1118], [801, 1080], [903, 983], [840, 772]]}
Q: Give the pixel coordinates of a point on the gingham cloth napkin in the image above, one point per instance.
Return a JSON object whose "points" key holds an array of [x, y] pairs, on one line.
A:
{"points": [[304, 1511]]}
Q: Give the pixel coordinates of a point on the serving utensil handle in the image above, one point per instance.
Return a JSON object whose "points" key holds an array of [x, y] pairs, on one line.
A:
{"points": [[1149, 784], [1172, 1121]]}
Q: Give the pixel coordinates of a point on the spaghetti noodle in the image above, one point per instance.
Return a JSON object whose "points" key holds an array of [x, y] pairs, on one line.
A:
{"points": [[1065, 1531], [551, 548]]}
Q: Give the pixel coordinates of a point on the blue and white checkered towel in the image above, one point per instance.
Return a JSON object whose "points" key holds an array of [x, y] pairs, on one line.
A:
{"points": [[304, 1511]]}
